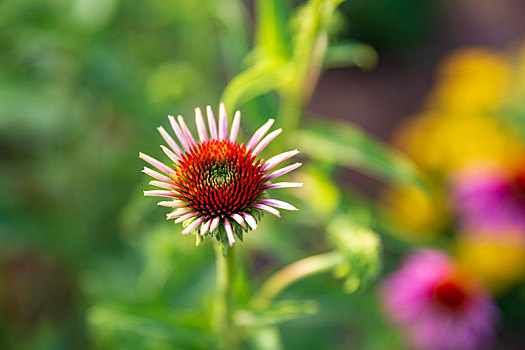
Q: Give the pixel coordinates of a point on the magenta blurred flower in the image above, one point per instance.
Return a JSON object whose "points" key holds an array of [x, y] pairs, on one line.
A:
{"points": [[216, 185], [490, 199], [438, 306]]}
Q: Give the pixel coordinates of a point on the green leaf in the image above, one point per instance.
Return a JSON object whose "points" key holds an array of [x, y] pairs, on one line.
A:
{"points": [[273, 37], [347, 145], [253, 82], [351, 54], [275, 313], [265, 338], [164, 324]]}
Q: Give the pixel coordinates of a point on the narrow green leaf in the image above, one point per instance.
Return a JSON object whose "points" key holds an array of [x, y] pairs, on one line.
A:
{"points": [[351, 54], [176, 328], [255, 81], [347, 145], [275, 313], [273, 37]]}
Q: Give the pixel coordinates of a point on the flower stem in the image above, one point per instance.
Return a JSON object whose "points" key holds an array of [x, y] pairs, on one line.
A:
{"points": [[292, 273], [306, 60], [222, 318]]}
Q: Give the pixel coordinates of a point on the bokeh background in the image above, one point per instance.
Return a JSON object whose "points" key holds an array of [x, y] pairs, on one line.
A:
{"points": [[86, 262]]}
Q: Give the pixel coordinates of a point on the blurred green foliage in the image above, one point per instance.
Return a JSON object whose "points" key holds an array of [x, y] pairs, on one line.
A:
{"points": [[82, 85]]}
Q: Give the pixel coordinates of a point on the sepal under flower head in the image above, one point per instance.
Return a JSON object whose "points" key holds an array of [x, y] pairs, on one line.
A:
{"points": [[359, 248], [216, 186]]}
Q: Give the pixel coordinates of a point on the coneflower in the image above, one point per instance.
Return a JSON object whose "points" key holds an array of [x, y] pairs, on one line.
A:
{"points": [[439, 305], [216, 185], [491, 198]]}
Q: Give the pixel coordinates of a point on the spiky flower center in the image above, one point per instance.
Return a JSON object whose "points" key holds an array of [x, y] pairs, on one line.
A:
{"points": [[219, 178], [450, 294], [517, 185]]}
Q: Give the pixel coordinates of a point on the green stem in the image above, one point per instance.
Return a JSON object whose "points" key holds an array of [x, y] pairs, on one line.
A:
{"points": [[292, 273], [223, 320], [306, 61]]}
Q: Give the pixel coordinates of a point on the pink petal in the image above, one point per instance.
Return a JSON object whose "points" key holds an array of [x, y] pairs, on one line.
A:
{"points": [[186, 217], [272, 162], [180, 135], [172, 204], [159, 193], [239, 219], [250, 220], [282, 171], [177, 213], [214, 224], [269, 138], [201, 127], [259, 134], [205, 227], [229, 231], [268, 209], [161, 166], [186, 131], [170, 154], [192, 226], [169, 140], [211, 123], [223, 122], [283, 185], [235, 126], [161, 185], [156, 175], [277, 203]]}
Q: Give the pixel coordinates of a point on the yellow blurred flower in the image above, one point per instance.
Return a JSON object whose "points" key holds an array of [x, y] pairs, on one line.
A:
{"points": [[460, 129], [497, 258], [442, 143], [472, 80], [418, 215]]}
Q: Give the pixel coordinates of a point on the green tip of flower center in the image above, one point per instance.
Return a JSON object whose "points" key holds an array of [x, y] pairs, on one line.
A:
{"points": [[220, 178]]}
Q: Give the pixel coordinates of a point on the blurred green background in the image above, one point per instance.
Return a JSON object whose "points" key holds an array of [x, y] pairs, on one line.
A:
{"points": [[85, 261]]}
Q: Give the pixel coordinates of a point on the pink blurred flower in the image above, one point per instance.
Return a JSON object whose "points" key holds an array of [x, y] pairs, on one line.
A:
{"points": [[438, 306], [491, 199]]}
